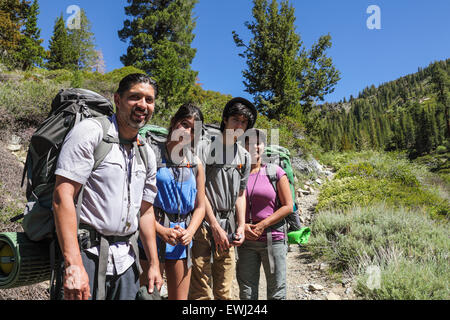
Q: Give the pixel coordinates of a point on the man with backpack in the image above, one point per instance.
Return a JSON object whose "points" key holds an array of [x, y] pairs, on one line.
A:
{"points": [[227, 167], [99, 247]]}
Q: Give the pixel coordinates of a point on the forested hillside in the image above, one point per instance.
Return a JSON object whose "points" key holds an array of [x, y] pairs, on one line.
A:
{"points": [[410, 113]]}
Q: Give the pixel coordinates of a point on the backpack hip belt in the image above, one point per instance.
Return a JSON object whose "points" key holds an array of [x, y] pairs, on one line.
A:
{"points": [[89, 237], [226, 220]]}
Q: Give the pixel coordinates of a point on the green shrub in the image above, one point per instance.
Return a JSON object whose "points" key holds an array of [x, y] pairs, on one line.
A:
{"points": [[350, 191], [77, 79], [410, 250], [370, 177], [441, 149], [28, 101], [408, 280], [61, 76], [118, 74]]}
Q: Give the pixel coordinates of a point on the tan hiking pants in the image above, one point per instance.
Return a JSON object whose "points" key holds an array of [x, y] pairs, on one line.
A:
{"points": [[220, 273]]}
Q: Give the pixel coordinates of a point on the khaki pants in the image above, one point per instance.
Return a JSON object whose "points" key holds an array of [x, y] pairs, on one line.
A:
{"points": [[204, 273]]}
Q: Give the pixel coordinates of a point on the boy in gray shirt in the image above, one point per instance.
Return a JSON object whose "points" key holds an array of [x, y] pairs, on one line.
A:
{"points": [[227, 166]]}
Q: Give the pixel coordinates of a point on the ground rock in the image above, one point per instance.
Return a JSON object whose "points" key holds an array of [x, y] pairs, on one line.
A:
{"points": [[333, 296], [315, 287]]}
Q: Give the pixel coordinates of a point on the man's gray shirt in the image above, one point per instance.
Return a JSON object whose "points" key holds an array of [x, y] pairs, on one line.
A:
{"points": [[223, 184], [105, 198]]}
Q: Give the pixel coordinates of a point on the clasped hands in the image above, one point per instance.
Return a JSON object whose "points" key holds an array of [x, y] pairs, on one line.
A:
{"points": [[253, 231], [177, 235]]}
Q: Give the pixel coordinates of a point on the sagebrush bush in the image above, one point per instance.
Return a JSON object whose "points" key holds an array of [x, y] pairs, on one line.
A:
{"points": [[406, 279], [28, 101], [370, 177], [12, 195], [410, 250]]}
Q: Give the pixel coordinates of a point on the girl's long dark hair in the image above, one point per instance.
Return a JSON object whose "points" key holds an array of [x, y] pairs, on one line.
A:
{"points": [[187, 110]]}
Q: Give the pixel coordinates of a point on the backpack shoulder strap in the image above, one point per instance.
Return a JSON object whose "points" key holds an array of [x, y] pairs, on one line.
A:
{"points": [[271, 170], [105, 145], [142, 151]]}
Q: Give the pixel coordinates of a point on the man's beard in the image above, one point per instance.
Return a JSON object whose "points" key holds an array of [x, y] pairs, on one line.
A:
{"points": [[137, 124]]}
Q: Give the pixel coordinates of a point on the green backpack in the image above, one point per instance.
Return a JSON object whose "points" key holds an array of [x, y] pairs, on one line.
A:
{"points": [[282, 157]]}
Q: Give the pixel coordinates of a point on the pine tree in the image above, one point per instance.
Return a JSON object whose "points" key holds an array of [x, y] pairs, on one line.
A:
{"points": [[283, 77], [12, 14], [83, 43], [30, 50], [410, 131], [160, 36], [442, 83], [61, 54], [434, 130], [423, 139]]}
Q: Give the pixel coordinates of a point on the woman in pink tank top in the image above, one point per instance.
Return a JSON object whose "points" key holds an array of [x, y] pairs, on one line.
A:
{"points": [[265, 241]]}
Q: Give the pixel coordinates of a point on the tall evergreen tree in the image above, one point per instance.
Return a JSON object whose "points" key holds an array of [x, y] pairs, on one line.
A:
{"points": [[12, 14], [83, 43], [30, 50], [284, 77], [160, 34], [424, 134], [442, 83], [434, 130], [61, 54]]}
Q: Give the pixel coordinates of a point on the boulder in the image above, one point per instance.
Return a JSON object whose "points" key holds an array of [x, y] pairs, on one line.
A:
{"points": [[333, 296], [324, 266], [302, 192], [315, 287], [9, 77], [14, 147]]}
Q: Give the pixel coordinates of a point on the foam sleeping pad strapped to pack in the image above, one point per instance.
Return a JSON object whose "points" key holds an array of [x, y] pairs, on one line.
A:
{"points": [[22, 262]]}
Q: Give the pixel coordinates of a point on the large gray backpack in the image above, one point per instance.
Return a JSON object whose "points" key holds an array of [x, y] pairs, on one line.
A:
{"points": [[69, 107]]}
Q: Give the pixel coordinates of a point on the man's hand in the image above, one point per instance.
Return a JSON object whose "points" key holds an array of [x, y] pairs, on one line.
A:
{"points": [[220, 238], [76, 283], [154, 278], [241, 232]]}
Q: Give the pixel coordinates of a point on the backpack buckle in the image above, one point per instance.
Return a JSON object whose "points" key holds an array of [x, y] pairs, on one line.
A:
{"points": [[140, 143]]}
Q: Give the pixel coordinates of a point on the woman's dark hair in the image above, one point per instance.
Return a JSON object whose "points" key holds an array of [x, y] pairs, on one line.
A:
{"points": [[130, 80], [187, 110]]}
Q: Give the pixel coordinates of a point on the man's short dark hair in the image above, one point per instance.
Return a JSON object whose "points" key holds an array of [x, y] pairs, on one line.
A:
{"points": [[134, 78], [239, 107]]}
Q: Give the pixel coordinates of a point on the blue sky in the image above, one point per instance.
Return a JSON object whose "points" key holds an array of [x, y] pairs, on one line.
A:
{"points": [[413, 34]]}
